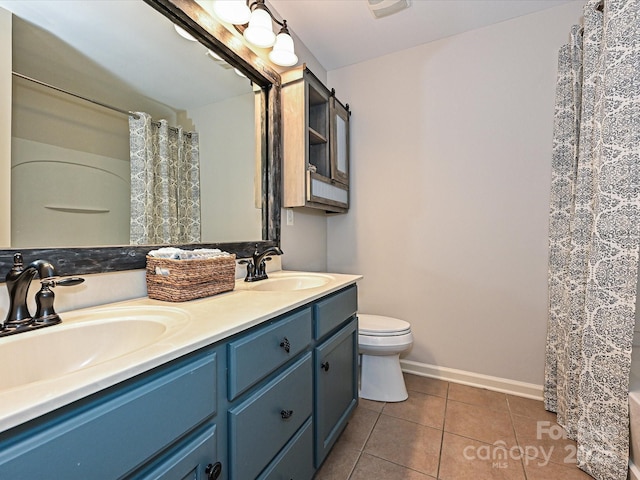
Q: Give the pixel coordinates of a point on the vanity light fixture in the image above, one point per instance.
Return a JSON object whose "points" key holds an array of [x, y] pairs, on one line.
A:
{"points": [[259, 30]]}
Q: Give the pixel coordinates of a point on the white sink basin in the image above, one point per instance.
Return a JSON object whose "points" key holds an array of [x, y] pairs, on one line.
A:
{"points": [[287, 283], [82, 340]]}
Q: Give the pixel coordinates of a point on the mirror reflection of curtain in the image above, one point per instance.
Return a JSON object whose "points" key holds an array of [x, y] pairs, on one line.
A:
{"points": [[165, 183]]}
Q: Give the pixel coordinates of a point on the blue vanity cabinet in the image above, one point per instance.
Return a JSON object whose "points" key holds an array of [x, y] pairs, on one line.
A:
{"points": [[267, 403], [164, 418], [335, 368]]}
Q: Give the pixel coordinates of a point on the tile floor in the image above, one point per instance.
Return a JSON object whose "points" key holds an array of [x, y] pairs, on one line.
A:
{"points": [[448, 431]]}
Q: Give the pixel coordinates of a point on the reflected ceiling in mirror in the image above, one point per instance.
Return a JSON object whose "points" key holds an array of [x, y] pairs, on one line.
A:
{"points": [[127, 55]]}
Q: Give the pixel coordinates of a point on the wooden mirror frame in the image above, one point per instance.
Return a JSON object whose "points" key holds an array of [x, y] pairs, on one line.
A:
{"points": [[212, 34]]}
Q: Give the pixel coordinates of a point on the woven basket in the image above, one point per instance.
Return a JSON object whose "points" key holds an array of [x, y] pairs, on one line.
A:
{"points": [[182, 280]]}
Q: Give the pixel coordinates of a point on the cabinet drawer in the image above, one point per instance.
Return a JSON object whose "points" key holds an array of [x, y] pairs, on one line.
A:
{"points": [[258, 427], [253, 357], [331, 312], [295, 461], [126, 425]]}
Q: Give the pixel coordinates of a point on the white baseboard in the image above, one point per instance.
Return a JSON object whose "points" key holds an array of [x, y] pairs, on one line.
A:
{"points": [[504, 385], [634, 472]]}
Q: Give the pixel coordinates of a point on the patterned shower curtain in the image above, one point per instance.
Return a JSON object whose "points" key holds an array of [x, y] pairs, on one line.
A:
{"points": [[165, 183], [595, 234]]}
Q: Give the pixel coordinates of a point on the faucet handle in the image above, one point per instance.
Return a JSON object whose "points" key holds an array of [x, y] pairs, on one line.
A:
{"points": [[69, 282], [251, 269], [45, 313]]}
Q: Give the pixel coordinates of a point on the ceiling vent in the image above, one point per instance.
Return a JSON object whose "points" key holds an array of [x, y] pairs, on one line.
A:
{"points": [[384, 8]]}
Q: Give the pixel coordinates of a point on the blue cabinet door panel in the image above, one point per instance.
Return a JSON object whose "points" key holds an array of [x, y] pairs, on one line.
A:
{"points": [[187, 461], [114, 433], [336, 386]]}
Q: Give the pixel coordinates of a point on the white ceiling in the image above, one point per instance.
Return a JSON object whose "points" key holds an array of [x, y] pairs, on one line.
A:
{"points": [[337, 32], [130, 40], [344, 32]]}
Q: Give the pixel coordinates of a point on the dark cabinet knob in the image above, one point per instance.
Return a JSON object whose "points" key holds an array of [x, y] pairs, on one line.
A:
{"points": [[286, 345], [286, 414], [325, 366], [213, 471]]}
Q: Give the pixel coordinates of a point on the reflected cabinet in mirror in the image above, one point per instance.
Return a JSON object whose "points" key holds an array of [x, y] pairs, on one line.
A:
{"points": [[97, 89]]}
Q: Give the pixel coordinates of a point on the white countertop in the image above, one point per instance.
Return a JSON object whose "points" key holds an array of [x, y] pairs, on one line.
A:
{"points": [[209, 320]]}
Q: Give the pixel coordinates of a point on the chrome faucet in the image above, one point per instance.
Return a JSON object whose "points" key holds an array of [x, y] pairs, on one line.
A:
{"points": [[257, 265], [18, 282]]}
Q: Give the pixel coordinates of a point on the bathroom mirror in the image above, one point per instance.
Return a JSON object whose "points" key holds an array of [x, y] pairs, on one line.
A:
{"points": [[261, 86]]}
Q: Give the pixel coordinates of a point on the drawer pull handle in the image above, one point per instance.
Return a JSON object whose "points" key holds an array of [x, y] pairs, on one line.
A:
{"points": [[286, 345], [286, 414], [325, 366], [213, 471]]}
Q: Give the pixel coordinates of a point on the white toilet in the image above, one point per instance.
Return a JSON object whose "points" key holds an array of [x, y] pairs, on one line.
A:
{"points": [[381, 340]]}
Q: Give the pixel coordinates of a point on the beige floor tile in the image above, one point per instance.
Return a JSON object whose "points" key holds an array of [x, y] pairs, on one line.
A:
{"points": [[370, 467], [371, 405], [430, 386], [553, 471], [339, 464], [420, 408], [466, 459], [358, 429], [406, 443], [544, 440], [478, 396], [479, 423], [528, 407]]}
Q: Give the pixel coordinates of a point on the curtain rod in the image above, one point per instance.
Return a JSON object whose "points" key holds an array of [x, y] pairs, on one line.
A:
{"points": [[115, 109]]}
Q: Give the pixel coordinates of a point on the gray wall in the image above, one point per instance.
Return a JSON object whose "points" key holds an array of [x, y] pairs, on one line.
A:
{"points": [[451, 152]]}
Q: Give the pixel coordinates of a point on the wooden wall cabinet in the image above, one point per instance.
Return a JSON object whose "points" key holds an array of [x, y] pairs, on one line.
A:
{"points": [[316, 144]]}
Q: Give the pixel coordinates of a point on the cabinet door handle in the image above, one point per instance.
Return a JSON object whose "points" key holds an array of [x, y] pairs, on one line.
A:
{"points": [[286, 414], [286, 345], [213, 471], [325, 366]]}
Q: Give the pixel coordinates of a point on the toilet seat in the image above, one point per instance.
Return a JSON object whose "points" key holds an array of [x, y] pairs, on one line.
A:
{"points": [[380, 326]]}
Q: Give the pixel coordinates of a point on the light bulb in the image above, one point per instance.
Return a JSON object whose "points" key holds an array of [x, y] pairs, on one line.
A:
{"points": [[232, 11], [283, 53], [260, 32]]}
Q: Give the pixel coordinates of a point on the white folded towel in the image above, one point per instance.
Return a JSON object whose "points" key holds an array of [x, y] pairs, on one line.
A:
{"points": [[180, 254]]}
